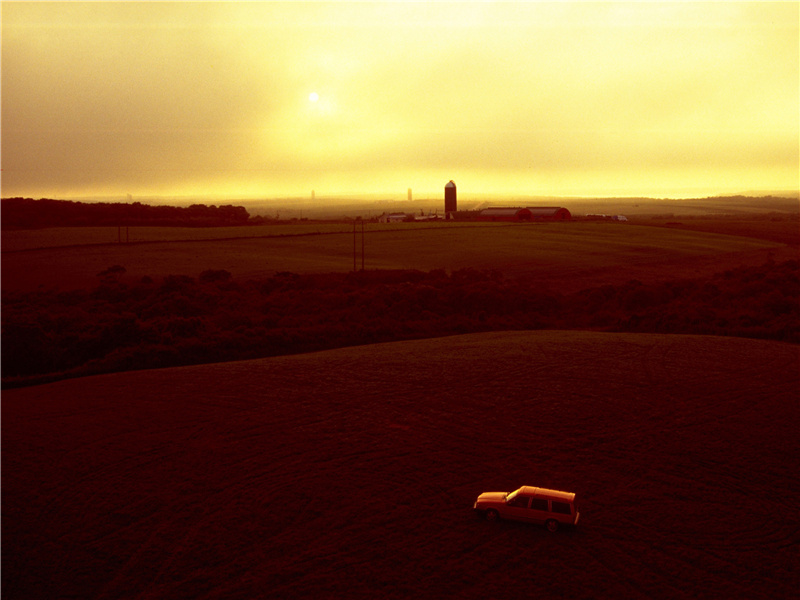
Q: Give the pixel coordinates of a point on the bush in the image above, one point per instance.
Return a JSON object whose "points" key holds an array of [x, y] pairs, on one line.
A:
{"points": [[212, 276], [184, 321]]}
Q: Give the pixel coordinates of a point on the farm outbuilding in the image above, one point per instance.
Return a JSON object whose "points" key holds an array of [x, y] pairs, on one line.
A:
{"points": [[525, 214], [550, 213], [504, 214], [395, 217]]}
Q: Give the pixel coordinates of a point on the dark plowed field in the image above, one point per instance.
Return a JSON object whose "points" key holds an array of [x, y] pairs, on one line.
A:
{"points": [[352, 473]]}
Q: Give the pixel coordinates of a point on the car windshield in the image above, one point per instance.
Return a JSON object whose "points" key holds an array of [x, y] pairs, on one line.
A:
{"points": [[511, 496]]}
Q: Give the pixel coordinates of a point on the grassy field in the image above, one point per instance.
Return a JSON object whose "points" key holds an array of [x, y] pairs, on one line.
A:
{"points": [[80, 236], [30, 239], [778, 228], [352, 473], [577, 250]]}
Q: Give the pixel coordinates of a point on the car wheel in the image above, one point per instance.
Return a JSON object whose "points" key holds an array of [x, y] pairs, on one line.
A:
{"points": [[492, 515], [552, 525]]}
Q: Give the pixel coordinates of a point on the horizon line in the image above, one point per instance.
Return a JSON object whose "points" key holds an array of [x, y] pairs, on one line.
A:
{"points": [[398, 197]]}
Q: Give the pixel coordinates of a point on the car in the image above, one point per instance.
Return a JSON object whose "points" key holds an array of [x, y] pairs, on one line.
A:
{"points": [[552, 508]]}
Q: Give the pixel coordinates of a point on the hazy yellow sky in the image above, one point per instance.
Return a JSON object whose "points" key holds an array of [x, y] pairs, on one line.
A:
{"points": [[275, 99]]}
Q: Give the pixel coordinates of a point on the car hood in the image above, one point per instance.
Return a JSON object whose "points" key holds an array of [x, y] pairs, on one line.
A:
{"points": [[492, 497]]}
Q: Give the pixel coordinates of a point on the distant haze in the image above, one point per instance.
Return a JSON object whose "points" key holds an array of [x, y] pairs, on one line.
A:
{"points": [[273, 99]]}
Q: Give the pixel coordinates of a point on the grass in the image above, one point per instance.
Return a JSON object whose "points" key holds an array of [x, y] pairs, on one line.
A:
{"points": [[352, 473], [512, 248], [31, 239]]}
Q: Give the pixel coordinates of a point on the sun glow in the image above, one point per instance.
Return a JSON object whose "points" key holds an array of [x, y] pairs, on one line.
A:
{"points": [[530, 97]]}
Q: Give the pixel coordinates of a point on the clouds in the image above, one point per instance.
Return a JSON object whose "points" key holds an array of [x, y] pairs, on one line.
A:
{"points": [[154, 98]]}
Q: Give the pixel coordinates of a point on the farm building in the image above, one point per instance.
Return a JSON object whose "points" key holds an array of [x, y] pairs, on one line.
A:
{"points": [[550, 213], [525, 214], [504, 214], [450, 202], [596, 217], [395, 217]]}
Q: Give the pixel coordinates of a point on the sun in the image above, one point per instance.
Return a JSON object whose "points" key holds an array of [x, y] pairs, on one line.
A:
{"points": [[313, 97]]}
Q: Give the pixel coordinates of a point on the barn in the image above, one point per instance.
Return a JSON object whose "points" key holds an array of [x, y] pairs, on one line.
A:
{"points": [[525, 214], [550, 213], [504, 214]]}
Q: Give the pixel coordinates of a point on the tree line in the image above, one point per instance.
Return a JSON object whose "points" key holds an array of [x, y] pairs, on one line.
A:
{"points": [[26, 213], [182, 320]]}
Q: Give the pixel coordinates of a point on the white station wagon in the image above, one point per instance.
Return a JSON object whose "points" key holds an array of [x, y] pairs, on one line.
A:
{"points": [[532, 504]]}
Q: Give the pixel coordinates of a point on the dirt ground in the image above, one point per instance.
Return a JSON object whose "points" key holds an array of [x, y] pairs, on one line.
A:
{"points": [[352, 473]]}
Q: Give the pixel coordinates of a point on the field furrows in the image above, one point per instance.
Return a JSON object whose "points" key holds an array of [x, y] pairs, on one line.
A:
{"points": [[353, 472]]}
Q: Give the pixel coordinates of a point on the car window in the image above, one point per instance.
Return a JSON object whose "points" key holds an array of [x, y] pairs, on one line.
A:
{"points": [[561, 507], [539, 504], [519, 501]]}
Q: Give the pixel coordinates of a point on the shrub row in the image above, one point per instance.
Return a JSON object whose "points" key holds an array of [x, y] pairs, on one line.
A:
{"points": [[183, 320], [26, 213]]}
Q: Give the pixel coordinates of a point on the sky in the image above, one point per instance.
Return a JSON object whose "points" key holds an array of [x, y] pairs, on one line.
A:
{"points": [[276, 99]]}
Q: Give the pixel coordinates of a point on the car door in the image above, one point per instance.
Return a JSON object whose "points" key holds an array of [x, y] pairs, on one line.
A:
{"points": [[539, 510], [517, 508], [562, 511]]}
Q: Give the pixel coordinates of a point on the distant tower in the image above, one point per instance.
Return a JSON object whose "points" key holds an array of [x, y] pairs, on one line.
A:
{"points": [[450, 205], [312, 195], [409, 194]]}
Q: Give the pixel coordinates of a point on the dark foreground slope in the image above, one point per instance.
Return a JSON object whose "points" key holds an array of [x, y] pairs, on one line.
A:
{"points": [[351, 473]]}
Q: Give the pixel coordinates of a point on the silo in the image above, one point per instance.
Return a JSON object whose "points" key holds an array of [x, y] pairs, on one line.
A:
{"points": [[450, 205]]}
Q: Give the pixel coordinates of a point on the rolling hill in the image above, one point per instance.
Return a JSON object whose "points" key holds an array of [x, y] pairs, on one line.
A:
{"points": [[352, 472]]}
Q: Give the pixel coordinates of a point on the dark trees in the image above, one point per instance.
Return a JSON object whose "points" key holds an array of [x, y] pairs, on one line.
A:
{"points": [[26, 213], [184, 320]]}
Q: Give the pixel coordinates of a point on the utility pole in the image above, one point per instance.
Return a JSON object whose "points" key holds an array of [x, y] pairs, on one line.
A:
{"points": [[355, 243]]}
